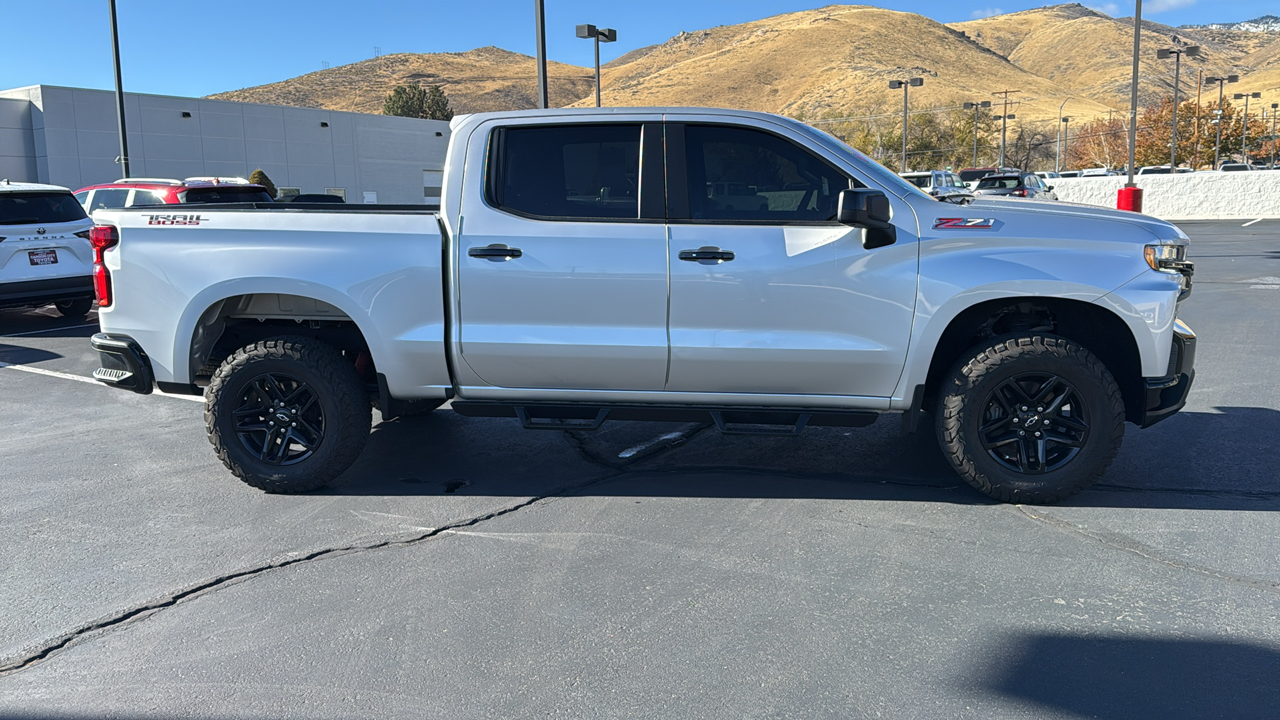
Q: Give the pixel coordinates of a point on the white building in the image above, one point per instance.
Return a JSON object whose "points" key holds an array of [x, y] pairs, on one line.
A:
{"points": [[68, 136]]}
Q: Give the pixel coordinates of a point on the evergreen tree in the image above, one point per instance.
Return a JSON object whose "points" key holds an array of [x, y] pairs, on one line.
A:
{"points": [[438, 104], [257, 177], [416, 101]]}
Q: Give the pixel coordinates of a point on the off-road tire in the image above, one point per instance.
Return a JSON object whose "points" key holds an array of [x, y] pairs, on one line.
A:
{"points": [[74, 308], [969, 387], [338, 391]]}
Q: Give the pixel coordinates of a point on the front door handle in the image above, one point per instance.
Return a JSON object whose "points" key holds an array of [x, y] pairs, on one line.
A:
{"points": [[495, 253], [707, 255]]}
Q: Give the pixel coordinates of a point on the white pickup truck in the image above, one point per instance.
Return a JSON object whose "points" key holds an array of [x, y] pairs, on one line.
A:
{"points": [[736, 268]]}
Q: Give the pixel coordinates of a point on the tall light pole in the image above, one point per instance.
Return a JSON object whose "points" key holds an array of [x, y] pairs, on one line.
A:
{"points": [[1275, 110], [599, 35], [1244, 141], [115, 54], [905, 85], [1217, 144], [1004, 118], [1064, 135], [1057, 165], [1133, 91], [974, 107], [540, 28], [1177, 53]]}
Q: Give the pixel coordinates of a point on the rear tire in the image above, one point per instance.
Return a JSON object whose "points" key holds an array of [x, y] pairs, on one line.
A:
{"points": [[74, 308], [1030, 419], [287, 415]]}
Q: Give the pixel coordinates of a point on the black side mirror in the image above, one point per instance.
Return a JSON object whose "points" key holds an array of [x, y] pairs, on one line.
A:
{"points": [[868, 209], [1049, 188]]}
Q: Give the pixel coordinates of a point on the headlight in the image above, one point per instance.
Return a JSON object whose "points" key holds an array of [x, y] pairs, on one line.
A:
{"points": [[1165, 257]]}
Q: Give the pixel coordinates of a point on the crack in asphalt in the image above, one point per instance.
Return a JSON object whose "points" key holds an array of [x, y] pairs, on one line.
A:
{"points": [[1127, 544]]}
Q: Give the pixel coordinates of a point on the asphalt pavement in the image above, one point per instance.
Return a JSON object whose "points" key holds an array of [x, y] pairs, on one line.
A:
{"points": [[465, 568]]}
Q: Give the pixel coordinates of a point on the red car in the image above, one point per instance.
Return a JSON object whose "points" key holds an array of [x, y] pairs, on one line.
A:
{"points": [[132, 192]]}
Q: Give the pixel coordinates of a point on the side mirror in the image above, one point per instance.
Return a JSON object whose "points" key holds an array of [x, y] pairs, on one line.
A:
{"points": [[868, 209], [1049, 188]]}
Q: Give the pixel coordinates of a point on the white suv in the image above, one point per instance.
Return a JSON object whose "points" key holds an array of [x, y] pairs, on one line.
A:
{"points": [[45, 255]]}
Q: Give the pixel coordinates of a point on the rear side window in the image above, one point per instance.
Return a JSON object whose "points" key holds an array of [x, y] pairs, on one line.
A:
{"points": [[741, 174], [108, 198], [39, 208], [998, 182], [225, 195], [573, 171]]}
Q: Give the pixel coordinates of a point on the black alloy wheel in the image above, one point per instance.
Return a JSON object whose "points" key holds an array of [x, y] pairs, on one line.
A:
{"points": [[279, 420], [1034, 423]]}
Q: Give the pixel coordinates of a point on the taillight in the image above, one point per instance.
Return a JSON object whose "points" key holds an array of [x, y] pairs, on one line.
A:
{"points": [[102, 238], [1019, 193]]}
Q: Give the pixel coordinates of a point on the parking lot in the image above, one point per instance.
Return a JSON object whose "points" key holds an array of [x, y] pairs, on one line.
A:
{"points": [[466, 568]]}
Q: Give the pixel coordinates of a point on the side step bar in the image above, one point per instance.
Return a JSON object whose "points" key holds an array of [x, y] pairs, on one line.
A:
{"points": [[736, 420]]}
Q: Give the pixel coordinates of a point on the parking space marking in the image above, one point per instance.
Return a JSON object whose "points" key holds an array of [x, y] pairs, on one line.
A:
{"points": [[645, 446], [48, 330], [83, 379], [1252, 222]]}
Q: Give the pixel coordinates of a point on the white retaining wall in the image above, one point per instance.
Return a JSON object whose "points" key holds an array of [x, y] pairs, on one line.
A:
{"points": [[1200, 195]]}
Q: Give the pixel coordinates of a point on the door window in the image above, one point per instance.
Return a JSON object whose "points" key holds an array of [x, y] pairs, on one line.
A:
{"points": [[741, 174], [567, 171], [109, 198]]}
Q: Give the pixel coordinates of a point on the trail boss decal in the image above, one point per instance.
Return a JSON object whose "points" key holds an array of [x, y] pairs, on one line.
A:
{"points": [[964, 224], [174, 219]]}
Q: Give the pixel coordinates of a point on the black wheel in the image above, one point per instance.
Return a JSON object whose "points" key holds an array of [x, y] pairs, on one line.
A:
{"points": [[287, 415], [1031, 419], [74, 308]]}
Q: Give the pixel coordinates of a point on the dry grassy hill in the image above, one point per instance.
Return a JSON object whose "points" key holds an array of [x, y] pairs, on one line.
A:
{"points": [[823, 62], [479, 80]]}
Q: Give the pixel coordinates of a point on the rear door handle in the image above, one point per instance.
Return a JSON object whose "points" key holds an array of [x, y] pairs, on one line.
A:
{"points": [[495, 253], [706, 255]]}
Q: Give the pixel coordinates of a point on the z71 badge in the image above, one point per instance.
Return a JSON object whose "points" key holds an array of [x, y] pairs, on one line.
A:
{"points": [[964, 224], [174, 219]]}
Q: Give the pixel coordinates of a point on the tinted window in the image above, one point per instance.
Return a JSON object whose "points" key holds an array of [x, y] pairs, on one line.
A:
{"points": [[742, 174], [920, 181], [109, 198], [576, 171], [997, 182], [225, 194], [971, 175], [39, 207]]}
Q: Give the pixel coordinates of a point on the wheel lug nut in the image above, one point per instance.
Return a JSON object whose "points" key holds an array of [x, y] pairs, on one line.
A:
{"points": [[296, 425], [1024, 408], [1046, 422], [1022, 433]]}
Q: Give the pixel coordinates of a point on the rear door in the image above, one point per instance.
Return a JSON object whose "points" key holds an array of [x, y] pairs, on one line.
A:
{"points": [[769, 295], [562, 266]]}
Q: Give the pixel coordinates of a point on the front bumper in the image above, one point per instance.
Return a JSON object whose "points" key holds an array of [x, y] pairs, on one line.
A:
{"points": [[1167, 395], [124, 364]]}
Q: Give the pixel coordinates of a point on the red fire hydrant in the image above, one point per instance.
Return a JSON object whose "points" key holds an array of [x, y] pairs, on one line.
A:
{"points": [[1130, 198]]}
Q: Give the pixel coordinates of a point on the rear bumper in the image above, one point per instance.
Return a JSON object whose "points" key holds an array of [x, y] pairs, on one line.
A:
{"points": [[42, 292], [1166, 395], [124, 364]]}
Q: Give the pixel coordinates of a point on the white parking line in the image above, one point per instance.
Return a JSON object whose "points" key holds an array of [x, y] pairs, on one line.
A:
{"points": [[48, 330], [645, 446], [1252, 222], [83, 379]]}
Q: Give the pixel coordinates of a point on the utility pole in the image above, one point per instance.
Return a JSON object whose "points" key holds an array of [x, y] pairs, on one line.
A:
{"points": [[1275, 110], [974, 106], [115, 54], [1244, 141], [1133, 92], [1066, 130], [1199, 87], [1217, 144], [540, 28], [905, 85], [1004, 121], [1057, 165]]}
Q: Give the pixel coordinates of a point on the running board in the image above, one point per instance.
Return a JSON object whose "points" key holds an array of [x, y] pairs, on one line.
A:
{"points": [[729, 420]]}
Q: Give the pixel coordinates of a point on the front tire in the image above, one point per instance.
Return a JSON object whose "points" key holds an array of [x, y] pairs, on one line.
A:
{"points": [[287, 415], [1030, 419]]}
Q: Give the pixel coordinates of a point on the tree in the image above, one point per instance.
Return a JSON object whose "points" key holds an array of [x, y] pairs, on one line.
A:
{"points": [[416, 101], [257, 177]]}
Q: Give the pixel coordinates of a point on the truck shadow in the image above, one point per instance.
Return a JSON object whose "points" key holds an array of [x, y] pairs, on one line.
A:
{"points": [[1195, 460], [1124, 677], [17, 355]]}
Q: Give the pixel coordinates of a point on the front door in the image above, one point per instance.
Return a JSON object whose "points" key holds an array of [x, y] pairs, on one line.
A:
{"points": [[562, 276], [769, 295]]}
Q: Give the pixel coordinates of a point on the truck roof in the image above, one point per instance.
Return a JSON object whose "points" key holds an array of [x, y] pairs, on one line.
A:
{"points": [[459, 120]]}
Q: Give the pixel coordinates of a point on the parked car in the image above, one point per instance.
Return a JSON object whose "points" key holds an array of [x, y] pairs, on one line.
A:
{"points": [[1069, 173], [595, 281], [1234, 167], [1098, 172], [1156, 170], [946, 186], [971, 176], [132, 192], [45, 255], [315, 198], [1048, 175], [1026, 185]]}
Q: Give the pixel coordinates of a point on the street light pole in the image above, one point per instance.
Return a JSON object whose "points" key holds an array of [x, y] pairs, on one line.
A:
{"points": [[1004, 125], [1192, 51], [599, 35], [1066, 131], [1275, 110], [905, 85], [974, 106], [1133, 92], [1217, 144], [1244, 140], [540, 27], [115, 54], [1057, 165]]}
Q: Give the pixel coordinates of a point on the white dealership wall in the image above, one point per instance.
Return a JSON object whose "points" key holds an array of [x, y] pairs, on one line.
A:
{"points": [[1190, 196], [68, 136]]}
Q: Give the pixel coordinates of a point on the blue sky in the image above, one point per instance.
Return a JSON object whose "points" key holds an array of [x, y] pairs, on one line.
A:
{"points": [[172, 47]]}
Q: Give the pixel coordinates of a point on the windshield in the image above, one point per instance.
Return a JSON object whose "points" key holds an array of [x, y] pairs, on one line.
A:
{"points": [[225, 194], [32, 208], [999, 182]]}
